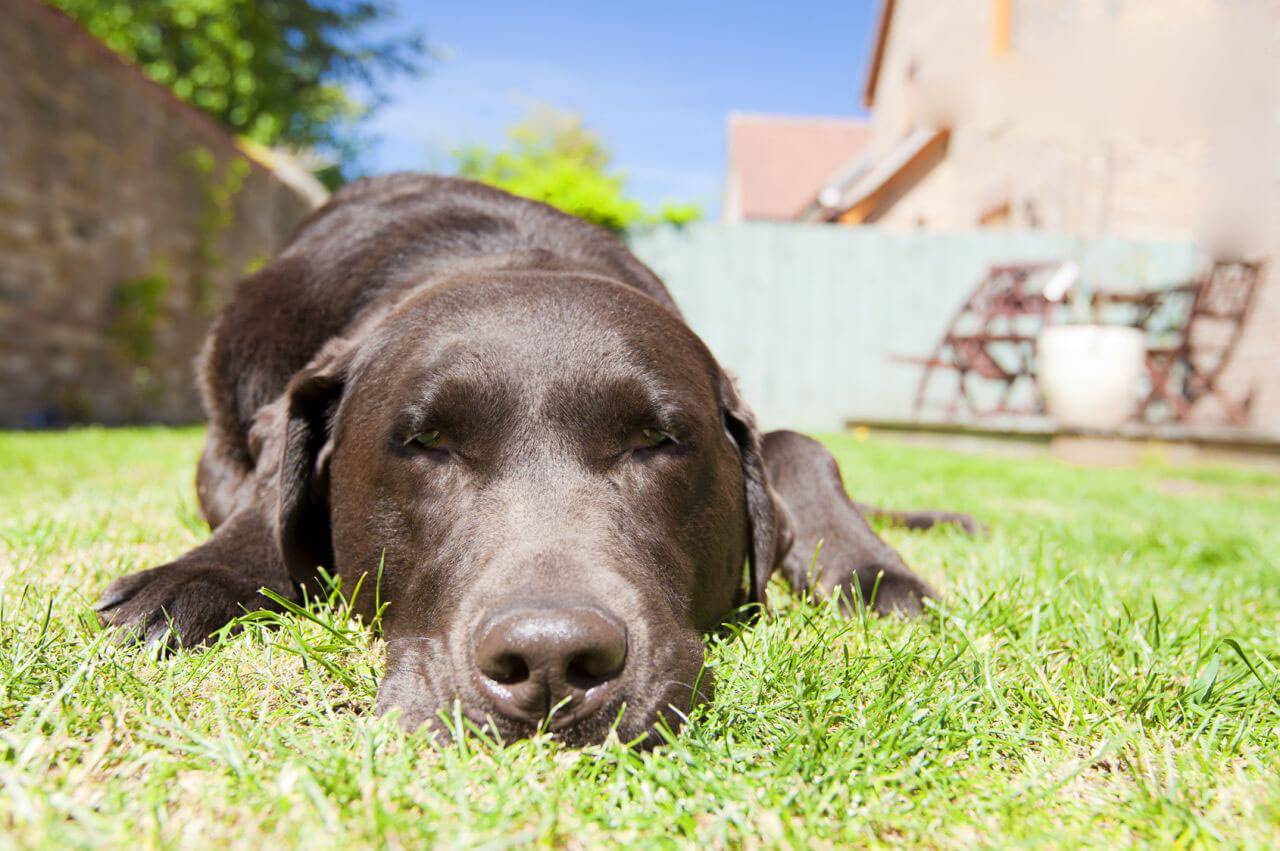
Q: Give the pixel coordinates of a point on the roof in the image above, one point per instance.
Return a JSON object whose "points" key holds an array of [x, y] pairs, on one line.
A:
{"points": [[778, 163], [857, 193], [877, 51]]}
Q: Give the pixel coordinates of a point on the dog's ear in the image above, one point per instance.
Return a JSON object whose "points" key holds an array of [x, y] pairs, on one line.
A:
{"points": [[302, 514], [768, 520]]}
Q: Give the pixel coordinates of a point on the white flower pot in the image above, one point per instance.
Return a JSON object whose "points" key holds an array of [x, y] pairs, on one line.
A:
{"points": [[1090, 374]]}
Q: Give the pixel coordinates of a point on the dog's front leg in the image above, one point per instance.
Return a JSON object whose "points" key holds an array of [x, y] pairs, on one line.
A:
{"points": [[184, 602], [848, 552]]}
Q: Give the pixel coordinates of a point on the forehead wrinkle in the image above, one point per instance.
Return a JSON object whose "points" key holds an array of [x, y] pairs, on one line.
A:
{"points": [[547, 349], [620, 391], [456, 364], [457, 388], [598, 373]]}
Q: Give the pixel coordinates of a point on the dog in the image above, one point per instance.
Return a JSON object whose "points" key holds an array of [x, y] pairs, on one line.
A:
{"points": [[495, 412]]}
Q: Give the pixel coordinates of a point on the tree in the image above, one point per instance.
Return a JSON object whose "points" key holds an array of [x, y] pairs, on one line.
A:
{"points": [[552, 157], [271, 70]]}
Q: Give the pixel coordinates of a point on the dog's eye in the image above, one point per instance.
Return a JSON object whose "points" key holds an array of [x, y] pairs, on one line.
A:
{"points": [[652, 438], [427, 439]]}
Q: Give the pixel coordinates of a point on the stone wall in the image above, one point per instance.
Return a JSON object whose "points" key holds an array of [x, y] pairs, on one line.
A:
{"points": [[125, 218]]}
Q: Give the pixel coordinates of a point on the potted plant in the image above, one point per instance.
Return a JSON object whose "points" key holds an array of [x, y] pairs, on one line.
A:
{"points": [[1089, 372]]}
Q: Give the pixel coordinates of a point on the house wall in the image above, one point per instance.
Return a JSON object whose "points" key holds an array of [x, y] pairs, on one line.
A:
{"points": [[1065, 154], [1156, 121], [125, 217]]}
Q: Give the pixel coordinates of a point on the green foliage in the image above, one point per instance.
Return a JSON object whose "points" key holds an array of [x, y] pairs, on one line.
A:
{"points": [[1089, 678], [679, 214], [553, 158], [136, 306], [217, 215], [271, 70]]}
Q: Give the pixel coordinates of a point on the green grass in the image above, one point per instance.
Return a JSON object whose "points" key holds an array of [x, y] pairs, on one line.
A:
{"points": [[1102, 671]]}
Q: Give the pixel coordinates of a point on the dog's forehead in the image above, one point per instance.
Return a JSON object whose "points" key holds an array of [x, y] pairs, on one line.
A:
{"points": [[553, 326]]}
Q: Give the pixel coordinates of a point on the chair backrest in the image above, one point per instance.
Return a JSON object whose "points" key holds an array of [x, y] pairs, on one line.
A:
{"points": [[1006, 291], [1219, 312], [1227, 292]]}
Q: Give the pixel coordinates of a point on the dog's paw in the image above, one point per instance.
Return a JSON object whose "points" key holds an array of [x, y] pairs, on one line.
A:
{"points": [[968, 524], [180, 604]]}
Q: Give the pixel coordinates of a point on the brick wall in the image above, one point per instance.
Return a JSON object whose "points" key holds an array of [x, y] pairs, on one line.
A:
{"points": [[125, 217]]}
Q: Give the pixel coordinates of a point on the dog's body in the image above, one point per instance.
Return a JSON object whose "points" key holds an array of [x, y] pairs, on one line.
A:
{"points": [[497, 410]]}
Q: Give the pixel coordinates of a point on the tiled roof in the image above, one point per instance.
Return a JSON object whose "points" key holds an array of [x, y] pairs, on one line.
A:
{"points": [[778, 163]]}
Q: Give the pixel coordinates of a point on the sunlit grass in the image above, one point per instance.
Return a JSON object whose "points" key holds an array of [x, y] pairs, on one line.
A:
{"points": [[1102, 670]]}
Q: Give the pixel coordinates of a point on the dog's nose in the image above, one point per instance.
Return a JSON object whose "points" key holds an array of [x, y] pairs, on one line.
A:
{"points": [[565, 662]]}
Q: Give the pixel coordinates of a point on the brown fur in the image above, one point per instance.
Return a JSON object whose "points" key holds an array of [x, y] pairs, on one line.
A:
{"points": [[541, 351]]}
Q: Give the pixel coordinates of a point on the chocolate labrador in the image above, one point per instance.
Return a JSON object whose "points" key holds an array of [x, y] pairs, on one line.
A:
{"points": [[498, 412]]}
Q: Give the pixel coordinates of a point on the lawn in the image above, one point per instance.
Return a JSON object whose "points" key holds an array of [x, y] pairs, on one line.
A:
{"points": [[1102, 670]]}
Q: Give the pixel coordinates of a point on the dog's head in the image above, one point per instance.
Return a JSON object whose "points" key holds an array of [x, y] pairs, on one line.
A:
{"points": [[558, 487]]}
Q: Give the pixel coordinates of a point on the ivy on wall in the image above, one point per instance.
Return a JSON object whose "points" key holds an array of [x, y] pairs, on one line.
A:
{"points": [[136, 309], [138, 305], [217, 215]]}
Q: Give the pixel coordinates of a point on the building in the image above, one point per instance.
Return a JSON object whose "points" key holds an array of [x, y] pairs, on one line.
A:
{"points": [[1096, 118], [778, 163], [125, 217]]}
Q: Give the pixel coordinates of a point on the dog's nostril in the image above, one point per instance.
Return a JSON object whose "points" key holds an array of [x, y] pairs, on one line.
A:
{"points": [[508, 669], [550, 657], [588, 670]]}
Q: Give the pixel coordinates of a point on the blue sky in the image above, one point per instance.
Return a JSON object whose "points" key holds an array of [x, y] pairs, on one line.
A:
{"points": [[655, 80]]}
